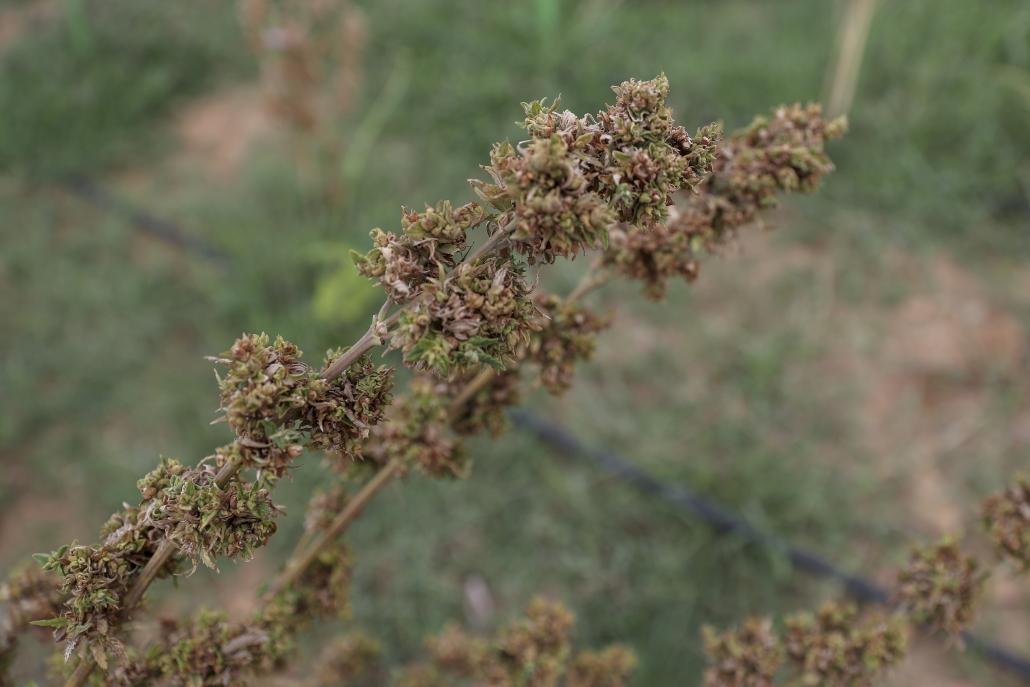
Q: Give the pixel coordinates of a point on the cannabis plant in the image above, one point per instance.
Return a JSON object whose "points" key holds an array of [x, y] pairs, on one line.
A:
{"points": [[649, 201]]}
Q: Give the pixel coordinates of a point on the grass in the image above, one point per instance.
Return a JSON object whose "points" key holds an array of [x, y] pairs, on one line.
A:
{"points": [[751, 386]]}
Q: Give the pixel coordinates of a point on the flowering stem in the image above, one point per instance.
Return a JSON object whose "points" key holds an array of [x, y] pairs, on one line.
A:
{"points": [[297, 565], [488, 245], [594, 278], [470, 390]]}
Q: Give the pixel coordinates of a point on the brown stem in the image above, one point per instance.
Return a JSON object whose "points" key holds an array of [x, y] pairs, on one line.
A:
{"points": [[594, 278], [466, 394], [297, 565]]}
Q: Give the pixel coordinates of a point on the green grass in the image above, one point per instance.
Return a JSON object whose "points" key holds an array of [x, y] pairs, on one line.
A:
{"points": [[83, 92], [732, 387]]}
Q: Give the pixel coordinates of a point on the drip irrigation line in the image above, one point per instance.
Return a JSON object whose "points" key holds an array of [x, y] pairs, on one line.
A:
{"points": [[171, 233], [725, 522]]}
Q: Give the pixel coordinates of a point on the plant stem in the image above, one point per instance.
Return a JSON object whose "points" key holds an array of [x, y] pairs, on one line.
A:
{"points": [[594, 278], [470, 390], [297, 565]]}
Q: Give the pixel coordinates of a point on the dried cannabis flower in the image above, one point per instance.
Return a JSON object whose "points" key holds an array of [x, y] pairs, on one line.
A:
{"points": [[533, 652], [610, 667], [418, 433], [1006, 516], [211, 651], [93, 580], [651, 157], [548, 185], [349, 661], [941, 586], [778, 154], [487, 409], [569, 335], [430, 243], [275, 402], [204, 520], [480, 314], [746, 657], [833, 649], [340, 414], [565, 188], [30, 595], [536, 649]]}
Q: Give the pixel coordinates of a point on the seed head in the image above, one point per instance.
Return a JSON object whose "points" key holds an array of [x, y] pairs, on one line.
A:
{"points": [[745, 657], [941, 586], [1006, 516]]}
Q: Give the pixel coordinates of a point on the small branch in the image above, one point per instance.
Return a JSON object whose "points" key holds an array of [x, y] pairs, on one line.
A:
{"points": [[297, 565], [594, 278], [466, 394], [486, 246]]}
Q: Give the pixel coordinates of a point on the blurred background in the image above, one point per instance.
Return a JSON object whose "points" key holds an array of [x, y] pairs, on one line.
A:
{"points": [[855, 381]]}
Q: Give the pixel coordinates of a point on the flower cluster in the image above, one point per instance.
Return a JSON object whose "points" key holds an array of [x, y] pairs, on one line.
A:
{"points": [[556, 212], [940, 586], [418, 433], [479, 314], [532, 651], [569, 334], [204, 519], [93, 580], [834, 649], [576, 177], [778, 154], [207, 651], [274, 401], [348, 661], [430, 243], [29, 594], [744, 657], [609, 667], [651, 157], [487, 409], [1006, 516], [211, 651]]}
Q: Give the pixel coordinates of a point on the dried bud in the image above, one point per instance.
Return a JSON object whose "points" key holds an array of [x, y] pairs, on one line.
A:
{"points": [[1006, 516], [93, 580], [207, 521], [835, 649], [263, 385], [536, 649], [610, 667], [275, 402], [941, 586], [568, 335], [487, 408], [555, 211], [418, 433], [746, 657], [348, 661], [478, 315], [430, 242], [779, 154], [340, 414], [649, 158]]}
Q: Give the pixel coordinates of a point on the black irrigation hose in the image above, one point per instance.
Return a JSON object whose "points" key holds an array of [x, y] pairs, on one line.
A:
{"points": [[725, 521], [169, 232]]}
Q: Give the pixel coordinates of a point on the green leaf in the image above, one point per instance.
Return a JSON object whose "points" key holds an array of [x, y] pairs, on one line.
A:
{"points": [[50, 622]]}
